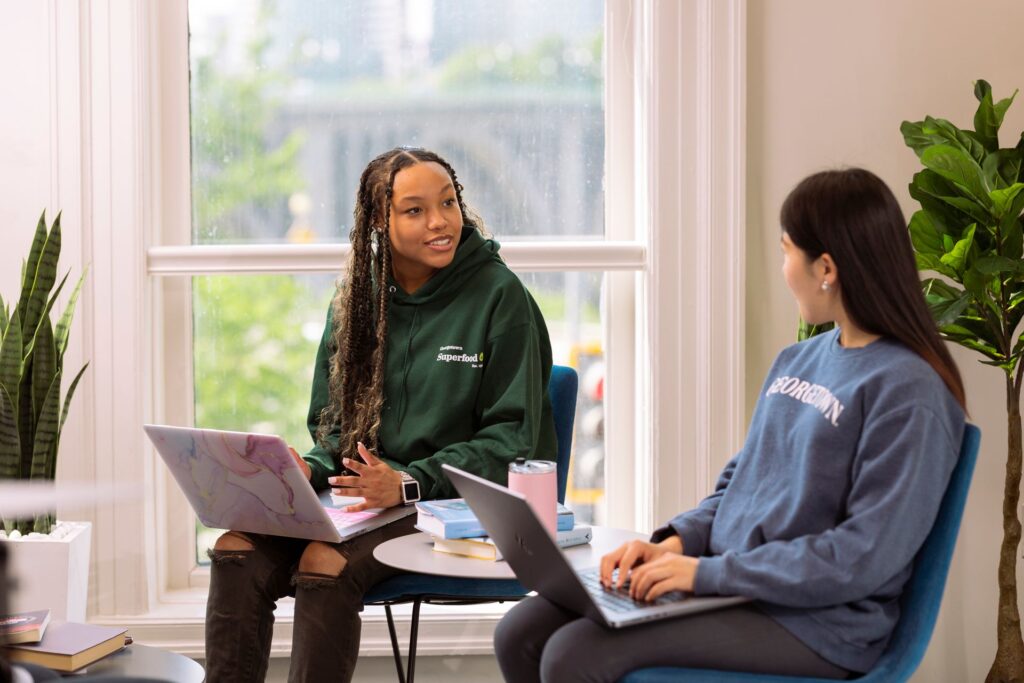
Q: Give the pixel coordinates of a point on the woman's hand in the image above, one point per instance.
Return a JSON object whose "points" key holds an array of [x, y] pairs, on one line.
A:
{"points": [[634, 553], [668, 572], [303, 465], [375, 481]]}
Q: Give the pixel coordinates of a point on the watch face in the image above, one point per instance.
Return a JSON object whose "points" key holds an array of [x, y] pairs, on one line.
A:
{"points": [[411, 491]]}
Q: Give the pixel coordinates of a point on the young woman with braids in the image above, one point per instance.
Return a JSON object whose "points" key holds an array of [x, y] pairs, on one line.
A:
{"points": [[819, 516], [434, 352]]}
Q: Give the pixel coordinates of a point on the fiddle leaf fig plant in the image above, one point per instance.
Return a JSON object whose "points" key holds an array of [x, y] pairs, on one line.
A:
{"points": [[969, 233], [32, 368]]}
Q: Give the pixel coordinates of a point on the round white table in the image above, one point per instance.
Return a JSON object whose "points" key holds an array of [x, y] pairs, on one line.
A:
{"points": [[415, 553]]}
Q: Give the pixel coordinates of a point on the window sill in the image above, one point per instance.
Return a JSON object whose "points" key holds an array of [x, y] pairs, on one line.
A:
{"points": [[177, 624]]}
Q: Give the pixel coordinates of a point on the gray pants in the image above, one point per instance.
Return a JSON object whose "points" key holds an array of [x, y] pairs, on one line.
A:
{"points": [[539, 641]]}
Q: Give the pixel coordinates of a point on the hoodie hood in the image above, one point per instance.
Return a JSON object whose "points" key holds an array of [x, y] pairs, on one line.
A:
{"points": [[474, 251]]}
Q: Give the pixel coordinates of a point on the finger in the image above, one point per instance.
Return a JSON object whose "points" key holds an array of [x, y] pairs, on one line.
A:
{"points": [[358, 507], [347, 491], [345, 482], [354, 465], [644, 577], [611, 561], [629, 559], [668, 567], [636, 578], [650, 575], [608, 564], [660, 588], [364, 453]]}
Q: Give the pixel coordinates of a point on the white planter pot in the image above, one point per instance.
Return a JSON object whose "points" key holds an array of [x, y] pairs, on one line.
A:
{"points": [[51, 572]]}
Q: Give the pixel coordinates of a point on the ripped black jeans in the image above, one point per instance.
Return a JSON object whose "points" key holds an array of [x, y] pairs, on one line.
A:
{"points": [[246, 584]]}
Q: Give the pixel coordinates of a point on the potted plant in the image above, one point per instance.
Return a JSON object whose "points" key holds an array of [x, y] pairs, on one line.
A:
{"points": [[969, 232], [31, 418]]}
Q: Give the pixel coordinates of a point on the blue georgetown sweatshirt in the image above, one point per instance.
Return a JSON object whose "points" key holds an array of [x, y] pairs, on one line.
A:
{"points": [[838, 484]]}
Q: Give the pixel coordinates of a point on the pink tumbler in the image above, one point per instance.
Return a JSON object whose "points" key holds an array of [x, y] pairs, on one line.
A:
{"points": [[536, 479]]}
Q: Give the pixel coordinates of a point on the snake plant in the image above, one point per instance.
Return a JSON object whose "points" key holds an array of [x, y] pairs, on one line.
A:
{"points": [[31, 370]]}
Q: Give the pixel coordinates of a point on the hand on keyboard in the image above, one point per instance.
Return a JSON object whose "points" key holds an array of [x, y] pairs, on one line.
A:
{"points": [[634, 553], [667, 573]]}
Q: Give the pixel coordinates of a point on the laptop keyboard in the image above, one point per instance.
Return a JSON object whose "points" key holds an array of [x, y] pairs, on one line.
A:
{"points": [[343, 520], [618, 600]]}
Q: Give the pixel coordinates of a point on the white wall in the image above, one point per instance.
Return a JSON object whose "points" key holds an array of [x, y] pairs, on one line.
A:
{"points": [[25, 135], [829, 84]]}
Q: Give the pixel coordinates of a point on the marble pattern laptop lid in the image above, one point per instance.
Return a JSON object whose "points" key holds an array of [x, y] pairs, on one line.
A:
{"points": [[247, 482]]}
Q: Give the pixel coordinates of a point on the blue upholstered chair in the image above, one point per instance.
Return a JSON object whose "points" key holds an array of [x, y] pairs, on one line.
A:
{"points": [[424, 588], [920, 601]]}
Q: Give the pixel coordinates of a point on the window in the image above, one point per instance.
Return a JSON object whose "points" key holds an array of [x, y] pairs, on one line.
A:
{"points": [[669, 261], [288, 103]]}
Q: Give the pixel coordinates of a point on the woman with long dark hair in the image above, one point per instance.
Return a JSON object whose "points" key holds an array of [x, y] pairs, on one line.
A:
{"points": [[819, 516], [434, 353]]}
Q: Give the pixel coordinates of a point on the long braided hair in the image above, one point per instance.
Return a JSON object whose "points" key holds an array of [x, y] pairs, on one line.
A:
{"points": [[360, 308]]}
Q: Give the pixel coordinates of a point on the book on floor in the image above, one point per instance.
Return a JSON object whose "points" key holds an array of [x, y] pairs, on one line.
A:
{"points": [[484, 548], [452, 518], [69, 646], [23, 627]]}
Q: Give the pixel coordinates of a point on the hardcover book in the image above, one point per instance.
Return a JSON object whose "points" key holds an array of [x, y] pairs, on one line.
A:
{"points": [[69, 646], [484, 548], [24, 627], [452, 518]]}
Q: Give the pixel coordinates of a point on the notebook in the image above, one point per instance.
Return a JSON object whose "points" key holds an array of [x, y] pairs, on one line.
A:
{"points": [[250, 482]]}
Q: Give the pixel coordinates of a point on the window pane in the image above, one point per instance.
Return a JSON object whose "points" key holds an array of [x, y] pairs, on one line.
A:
{"points": [[291, 99], [570, 303], [255, 339]]}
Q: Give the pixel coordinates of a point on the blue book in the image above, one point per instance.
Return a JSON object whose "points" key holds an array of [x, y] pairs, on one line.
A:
{"points": [[452, 518]]}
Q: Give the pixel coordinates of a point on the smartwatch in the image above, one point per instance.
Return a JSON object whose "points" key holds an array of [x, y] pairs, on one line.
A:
{"points": [[410, 489]]}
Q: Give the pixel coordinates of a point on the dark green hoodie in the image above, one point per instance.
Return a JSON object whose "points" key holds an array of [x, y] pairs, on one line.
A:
{"points": [[466, 382]]}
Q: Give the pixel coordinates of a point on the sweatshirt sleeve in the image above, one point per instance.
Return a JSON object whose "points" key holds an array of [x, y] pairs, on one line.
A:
{"points": [[511, 409], [694, 526], [320, 459], [902, 468]]}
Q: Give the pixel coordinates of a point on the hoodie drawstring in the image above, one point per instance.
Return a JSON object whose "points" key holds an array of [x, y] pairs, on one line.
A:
{"points": [[405, 365]]}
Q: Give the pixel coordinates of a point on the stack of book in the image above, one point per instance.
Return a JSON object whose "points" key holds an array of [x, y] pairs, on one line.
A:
{"points": [[29, 637], [456, 530]]}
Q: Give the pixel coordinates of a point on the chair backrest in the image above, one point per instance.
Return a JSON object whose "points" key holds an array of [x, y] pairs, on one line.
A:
{"points": [[562, 390], [923, 593]]}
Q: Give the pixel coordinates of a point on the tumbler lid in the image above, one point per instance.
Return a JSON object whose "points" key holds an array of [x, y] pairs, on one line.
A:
{"points": [[524, 466]]}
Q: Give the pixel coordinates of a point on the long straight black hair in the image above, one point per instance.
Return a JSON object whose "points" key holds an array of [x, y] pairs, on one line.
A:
{"points": [[852, 215]]}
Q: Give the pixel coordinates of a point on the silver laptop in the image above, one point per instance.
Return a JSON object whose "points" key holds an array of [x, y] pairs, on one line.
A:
{"points": [[540, 565], [250, 482]]}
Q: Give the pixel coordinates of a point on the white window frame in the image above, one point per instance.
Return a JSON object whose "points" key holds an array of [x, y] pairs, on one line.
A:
{"points": [[673, 253]]}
